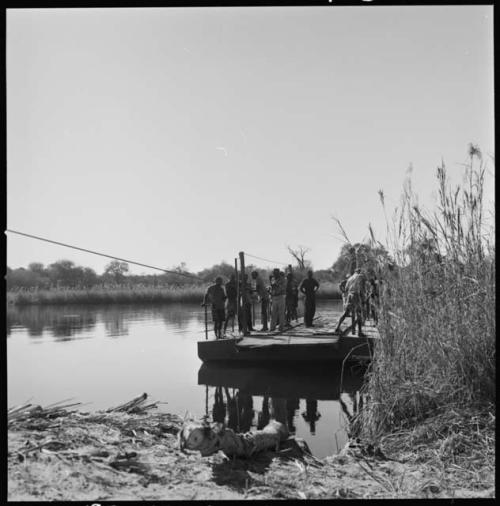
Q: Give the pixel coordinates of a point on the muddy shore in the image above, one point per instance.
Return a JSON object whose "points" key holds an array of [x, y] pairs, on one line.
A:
{"points": [[73, 455]]}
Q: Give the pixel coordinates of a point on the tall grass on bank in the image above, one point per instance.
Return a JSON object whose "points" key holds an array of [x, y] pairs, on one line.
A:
{"points": [[128, 294], [437, 320], [108, 295]]}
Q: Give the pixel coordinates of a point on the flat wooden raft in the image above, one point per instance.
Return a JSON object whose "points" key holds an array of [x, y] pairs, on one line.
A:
{"points": [[321, 333]]}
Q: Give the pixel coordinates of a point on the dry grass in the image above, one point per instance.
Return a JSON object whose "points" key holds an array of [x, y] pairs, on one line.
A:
{"points": [[108, 295]]}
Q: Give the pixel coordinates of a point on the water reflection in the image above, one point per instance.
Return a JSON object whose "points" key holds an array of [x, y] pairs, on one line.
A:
{"points": [[68, 322], [292, 406], [292, 385], [65, 322], [311, 414]]}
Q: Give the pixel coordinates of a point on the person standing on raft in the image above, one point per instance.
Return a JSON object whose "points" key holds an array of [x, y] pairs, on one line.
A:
{"points": [[263, 295], [309, 287], [216, 296], [278, 291], [355, 287]]}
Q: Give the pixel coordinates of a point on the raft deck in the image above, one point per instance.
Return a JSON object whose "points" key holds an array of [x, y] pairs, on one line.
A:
{"points": [[296, 344]]}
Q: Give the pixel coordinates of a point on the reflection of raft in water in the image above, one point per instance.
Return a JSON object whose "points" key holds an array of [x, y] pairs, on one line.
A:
{"points": [[299, 344], [300, 383]]}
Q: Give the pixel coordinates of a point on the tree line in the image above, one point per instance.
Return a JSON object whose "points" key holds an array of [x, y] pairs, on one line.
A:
{"points": [[66, 274]]}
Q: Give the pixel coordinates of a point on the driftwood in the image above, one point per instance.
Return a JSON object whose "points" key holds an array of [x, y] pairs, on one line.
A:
{"points": [[136, 405], [28, 411], [210, 438]]}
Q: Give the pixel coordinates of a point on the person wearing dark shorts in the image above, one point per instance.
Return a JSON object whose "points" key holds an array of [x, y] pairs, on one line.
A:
{"points": [[216, 296], [309, 287]]}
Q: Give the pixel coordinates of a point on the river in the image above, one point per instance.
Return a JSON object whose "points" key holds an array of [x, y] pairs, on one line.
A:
{"points": [[103, 356]]}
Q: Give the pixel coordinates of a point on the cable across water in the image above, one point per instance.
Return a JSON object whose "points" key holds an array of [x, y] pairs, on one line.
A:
{"points": [[265, 259], [105, 255]]}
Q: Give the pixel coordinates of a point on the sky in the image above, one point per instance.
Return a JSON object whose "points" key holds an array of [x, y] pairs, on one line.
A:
{"points": [[169, 135]]}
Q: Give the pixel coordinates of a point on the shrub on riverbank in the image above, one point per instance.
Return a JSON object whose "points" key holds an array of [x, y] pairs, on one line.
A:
{"points": [[437, 320]]}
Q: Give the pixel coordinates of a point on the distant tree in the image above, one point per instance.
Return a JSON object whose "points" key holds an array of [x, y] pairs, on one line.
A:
{"points": [[63, 273], [371, 259], [36, 267], [223, 269], [299, 254], [89, 277], [116, 271]]}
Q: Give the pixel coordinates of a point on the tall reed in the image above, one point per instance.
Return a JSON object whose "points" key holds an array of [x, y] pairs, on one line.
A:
{"points": [[437, 314]]}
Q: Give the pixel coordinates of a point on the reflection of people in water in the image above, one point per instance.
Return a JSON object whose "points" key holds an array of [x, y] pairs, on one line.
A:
{"points": [[292, 405], [311, 414], [263, 416], [240, 411], [245, 405], [219, 409]]}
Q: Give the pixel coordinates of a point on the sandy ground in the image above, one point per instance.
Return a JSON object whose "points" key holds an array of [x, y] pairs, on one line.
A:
{"points": [[119, 456]]}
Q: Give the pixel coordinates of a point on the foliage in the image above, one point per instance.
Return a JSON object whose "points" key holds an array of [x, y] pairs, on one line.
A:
{"points": [[437, 320], [370, 257]]}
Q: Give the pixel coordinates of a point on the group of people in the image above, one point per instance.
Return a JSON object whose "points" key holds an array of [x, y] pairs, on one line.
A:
{"points": [[360, 297], [279, 298]]}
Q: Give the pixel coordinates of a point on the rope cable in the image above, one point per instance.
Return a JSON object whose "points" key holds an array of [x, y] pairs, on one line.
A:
{"points": [[266, 259], [104, 255]]}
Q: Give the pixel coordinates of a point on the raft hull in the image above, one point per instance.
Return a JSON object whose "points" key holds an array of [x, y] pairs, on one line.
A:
{"points": [[318, 350]]}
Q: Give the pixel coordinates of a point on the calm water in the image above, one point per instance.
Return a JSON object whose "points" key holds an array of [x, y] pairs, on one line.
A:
{"points": [[105, 356]]}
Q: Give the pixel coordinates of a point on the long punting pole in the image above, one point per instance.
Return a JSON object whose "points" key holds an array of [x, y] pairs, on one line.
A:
{"points": [[237, 292], [243, 312]]}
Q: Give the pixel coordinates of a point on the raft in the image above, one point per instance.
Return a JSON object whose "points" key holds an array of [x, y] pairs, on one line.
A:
{"points": [[318, 344]]}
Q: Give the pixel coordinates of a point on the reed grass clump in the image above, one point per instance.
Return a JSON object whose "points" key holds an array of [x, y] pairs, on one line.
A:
{"points": [[437, 309]]}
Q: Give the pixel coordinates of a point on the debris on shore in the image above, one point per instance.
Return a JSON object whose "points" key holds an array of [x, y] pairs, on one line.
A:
{"points": [[129, 452]]}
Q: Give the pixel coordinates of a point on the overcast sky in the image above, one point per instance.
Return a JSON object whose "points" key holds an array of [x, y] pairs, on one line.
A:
{"points": [[189, 134]]}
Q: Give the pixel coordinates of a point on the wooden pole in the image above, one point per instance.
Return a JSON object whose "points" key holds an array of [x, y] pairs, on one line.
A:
{"points": [[243, 313], [206, 402], [206, 322], [237, 292]]}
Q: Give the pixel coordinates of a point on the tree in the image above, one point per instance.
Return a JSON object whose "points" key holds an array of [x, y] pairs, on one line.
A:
{"points": [[370, 258], [116, 270], [36, 267], [89, 277], [299, 254], [223, 269], [62, 273]]}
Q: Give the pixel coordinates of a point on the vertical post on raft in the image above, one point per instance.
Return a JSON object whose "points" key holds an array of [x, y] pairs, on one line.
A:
{"points": [[243, 287], [206, 323], [237, 292]]}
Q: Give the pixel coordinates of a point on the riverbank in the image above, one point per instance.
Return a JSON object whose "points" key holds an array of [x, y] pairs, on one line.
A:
{"points": [[128, 295], [60, 454]]}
